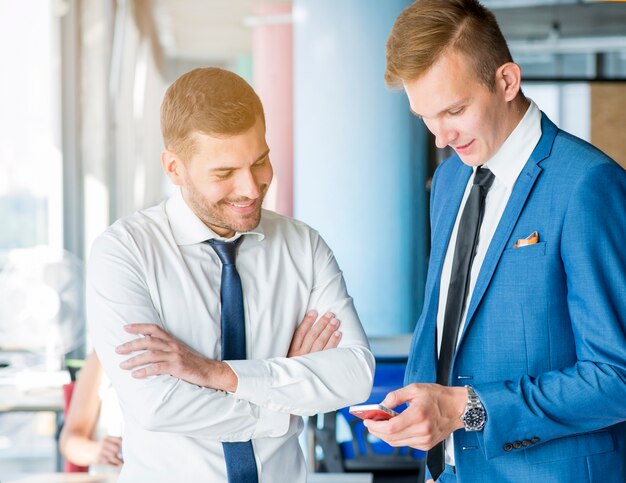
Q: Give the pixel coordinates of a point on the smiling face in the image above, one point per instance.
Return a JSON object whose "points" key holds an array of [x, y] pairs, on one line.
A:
{"points": [[462, 112], [225, 179]]}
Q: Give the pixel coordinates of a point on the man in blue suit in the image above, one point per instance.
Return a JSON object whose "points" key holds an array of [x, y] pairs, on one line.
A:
{"points": [[517, 371]]}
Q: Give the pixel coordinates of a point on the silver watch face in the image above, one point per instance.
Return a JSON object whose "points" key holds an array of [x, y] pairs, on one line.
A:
{"points": [[474, 419]]}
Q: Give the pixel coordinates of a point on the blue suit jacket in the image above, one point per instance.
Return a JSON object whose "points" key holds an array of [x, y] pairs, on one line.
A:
{"points": [[544, 344]]}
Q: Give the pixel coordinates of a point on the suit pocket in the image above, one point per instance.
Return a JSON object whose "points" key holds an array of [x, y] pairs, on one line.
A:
{"points": [[571, 447], [528, 251]]}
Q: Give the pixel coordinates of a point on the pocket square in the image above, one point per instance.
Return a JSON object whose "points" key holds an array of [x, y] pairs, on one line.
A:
{"points": [[529, 240]]}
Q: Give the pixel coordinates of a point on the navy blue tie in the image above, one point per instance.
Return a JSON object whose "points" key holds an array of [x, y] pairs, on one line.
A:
{"points": [[240, 462]]}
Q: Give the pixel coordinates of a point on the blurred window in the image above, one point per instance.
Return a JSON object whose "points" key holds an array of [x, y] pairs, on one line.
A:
{"points": [[31, 188], [30, 126]]}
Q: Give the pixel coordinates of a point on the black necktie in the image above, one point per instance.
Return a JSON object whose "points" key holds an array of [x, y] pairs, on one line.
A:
{"points": [[464, 252], [240, 462]]}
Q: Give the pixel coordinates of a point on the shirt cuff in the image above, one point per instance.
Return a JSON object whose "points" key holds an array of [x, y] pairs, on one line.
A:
{"points": [[253, 380]]}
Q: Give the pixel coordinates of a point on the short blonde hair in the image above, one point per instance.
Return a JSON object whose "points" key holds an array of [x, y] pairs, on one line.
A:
{"points": [[426, 29], [208, 100]]}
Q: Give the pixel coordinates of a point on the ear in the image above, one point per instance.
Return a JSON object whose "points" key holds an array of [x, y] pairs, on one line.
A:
{"points": [[173, 166], [508, 80]]}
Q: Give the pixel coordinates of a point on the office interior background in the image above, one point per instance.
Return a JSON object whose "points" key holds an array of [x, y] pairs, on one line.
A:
{"points": [[81, 83]]}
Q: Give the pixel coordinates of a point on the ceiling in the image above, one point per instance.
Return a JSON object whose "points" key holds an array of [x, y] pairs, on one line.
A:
{"points": [[219, 31], [213, 31], [572, 20]]}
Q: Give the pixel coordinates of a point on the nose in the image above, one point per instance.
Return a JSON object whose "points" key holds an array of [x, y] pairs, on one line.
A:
{"points": [[444, 134], [247, 185]]}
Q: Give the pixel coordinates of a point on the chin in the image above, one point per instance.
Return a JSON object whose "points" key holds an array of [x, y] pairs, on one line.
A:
{"points": [[246, 224], [475, 159], [471, 161]]}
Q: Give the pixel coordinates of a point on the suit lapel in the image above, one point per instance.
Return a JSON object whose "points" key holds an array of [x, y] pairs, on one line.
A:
{"points": [[514, 207], [455, 185]]}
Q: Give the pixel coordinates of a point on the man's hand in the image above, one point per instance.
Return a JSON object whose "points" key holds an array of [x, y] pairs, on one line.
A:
{"points": [[434, 412], [314, 337], [109, 451], [165, 354]]}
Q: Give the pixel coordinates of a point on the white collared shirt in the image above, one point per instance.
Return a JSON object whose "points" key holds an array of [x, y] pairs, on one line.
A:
{"points": [[506, 165], [154, 267]]}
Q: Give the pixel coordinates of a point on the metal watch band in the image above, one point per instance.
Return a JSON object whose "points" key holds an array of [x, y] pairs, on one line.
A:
{"points": [[474, 416]]}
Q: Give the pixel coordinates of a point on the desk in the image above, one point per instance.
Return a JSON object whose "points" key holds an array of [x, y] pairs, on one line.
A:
{"points": [[13, 399], [25, 390], [66, 478], [85, 478], [340, 478]]}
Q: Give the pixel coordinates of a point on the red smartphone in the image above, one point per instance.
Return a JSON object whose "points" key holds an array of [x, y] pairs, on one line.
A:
{"points": [[377, 412]]}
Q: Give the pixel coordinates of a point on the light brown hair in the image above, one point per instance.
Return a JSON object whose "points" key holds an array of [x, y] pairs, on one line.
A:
{"points": [[426, 29], [208, 100]]}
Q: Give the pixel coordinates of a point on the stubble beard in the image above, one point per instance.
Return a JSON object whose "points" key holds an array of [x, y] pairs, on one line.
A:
{"points": [[217, 214]]}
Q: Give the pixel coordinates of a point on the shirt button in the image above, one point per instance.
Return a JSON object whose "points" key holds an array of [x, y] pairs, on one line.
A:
{"points": [[525, 443], [507, 447], [517, 444], [535, 440]]}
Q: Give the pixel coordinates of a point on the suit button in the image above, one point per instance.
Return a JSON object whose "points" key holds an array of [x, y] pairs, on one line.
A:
{"points": [[507, 447], [535, 440], [517, 444], [525, 443]]}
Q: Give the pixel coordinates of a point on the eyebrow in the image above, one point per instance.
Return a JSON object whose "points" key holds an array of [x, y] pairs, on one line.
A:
{"points": [[228, 168], [451, 107]]}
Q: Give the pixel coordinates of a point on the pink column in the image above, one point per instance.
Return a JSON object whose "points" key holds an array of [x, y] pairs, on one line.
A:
{"points": [[273, 81]]}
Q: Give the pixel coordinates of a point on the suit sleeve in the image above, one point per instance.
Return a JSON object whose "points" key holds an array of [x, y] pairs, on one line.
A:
{"points": [[589, 395], [117, 295], [321, 381]]}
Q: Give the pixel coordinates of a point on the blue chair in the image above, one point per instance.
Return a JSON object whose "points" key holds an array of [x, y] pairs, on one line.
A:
{"points": [[343, 444], [365, 452]]}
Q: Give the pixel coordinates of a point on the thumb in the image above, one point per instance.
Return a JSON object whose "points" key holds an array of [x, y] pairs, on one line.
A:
{"points": [[399, 396]]}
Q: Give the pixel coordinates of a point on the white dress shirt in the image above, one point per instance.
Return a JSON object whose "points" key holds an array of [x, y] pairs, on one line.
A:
{"points": [[154, 267], [506, 165]]}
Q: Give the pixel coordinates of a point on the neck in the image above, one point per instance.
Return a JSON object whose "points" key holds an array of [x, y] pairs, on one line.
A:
{"points": [[517, 110]]}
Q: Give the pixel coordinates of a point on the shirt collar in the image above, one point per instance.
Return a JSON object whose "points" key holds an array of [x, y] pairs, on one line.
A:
{"points": [[188, 229], [508, 162]]}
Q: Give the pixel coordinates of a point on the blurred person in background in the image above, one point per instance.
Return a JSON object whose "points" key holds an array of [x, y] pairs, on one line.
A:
{"points": [[91, 434]]}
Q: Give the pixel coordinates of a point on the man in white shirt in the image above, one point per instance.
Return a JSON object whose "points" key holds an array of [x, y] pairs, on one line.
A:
{"points": [[154, 295]]}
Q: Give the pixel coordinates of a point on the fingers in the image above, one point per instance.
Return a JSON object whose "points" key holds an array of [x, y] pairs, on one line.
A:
{"points": [[155, 363], [145, 358], [311, 336], [110, 451], [303, 329], [399, 396], [145, 329], [402, 438], [154, 369], [379, 428], [395, 426], [316, 330], [148, 343], [334, 340], [325, 336], [413, 427]]}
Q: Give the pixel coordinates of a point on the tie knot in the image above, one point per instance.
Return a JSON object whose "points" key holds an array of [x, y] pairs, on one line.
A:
{"points": [[226, 251], [484, 178]]}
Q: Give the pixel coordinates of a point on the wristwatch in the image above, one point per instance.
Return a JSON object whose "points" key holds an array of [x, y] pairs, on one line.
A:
{"points": [[474, 417]]}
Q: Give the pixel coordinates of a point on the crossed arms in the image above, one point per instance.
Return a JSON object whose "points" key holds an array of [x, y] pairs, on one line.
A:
{"points": [[182, 391]]}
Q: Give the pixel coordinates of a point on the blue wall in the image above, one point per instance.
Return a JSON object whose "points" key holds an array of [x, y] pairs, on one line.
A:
{"points": [[360, 158]]}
